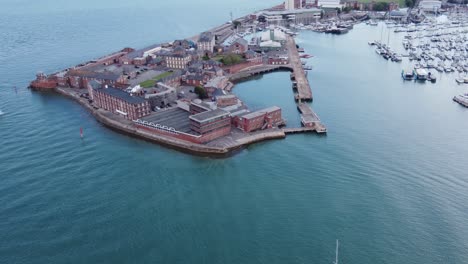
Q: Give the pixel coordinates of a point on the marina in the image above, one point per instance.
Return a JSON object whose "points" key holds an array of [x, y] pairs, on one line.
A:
{"points": [[388, 180]]}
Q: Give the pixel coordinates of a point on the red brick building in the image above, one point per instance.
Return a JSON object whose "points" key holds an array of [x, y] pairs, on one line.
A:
{"points": [[211, 124], [195, 79], [278, 60], [81, 78], [120, 102], [198, 106], [226, 100], [262, 119], [239, 46]]}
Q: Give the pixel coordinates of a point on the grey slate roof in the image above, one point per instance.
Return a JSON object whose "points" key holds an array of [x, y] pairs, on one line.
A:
{"points": [[122, 95], [96, 75], [208, 115], [206, 37]]}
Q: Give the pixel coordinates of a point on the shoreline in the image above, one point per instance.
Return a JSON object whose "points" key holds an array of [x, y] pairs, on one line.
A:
{"points": [[185, 146], [235, 141]]}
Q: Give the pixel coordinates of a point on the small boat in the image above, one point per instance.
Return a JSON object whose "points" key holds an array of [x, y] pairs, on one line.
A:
{"points": [[421, 74], [371, 43], [431, 77], [1, 112], [407, 75], [460, 80], [461, 99]]}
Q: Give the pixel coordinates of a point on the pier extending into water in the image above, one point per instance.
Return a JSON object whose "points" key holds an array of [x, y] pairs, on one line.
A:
{"points": [[310, 119], [304, 92]]}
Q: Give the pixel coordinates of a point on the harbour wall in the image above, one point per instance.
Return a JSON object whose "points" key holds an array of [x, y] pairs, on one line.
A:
{"points": [[126, 127]]}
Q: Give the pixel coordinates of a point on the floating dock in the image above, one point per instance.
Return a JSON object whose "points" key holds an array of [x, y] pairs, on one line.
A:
{"points": [[462, 100]]}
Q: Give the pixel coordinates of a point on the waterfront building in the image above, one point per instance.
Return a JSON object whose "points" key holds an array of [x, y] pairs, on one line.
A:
{"points": [[285, 17], [397, 15], [274, 34], [262, 119], [430, 5], [206, 42], [278, 60], [329, 4], [211, 124], [80, 78], [198, 106], [120, 102]]}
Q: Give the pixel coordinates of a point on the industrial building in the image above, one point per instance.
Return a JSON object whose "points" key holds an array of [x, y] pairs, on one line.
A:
{"points": [[261, 119]]}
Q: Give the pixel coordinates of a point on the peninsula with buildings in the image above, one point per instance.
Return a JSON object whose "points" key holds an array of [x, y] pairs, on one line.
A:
{"points": [[180, 94]]}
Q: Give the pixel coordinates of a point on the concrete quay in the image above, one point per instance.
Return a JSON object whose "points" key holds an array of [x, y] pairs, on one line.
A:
{"points": [[310, 119], [304, 92]]}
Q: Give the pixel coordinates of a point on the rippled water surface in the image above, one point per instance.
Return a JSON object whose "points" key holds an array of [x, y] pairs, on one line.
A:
{"points": [[390, 180]]}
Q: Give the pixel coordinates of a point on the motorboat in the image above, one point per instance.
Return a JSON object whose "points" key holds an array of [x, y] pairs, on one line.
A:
{"points": [[407, 75]]}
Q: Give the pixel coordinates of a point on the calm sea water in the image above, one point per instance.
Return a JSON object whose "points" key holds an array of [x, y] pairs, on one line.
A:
{"points": [[390, 180]]}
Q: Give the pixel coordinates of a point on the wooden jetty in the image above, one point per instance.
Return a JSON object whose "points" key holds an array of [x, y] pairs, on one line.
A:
{"points": [[304, 93], [310, 119]]}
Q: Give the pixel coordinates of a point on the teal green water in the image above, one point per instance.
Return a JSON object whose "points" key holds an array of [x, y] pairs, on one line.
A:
{"points": [[389, 180]]}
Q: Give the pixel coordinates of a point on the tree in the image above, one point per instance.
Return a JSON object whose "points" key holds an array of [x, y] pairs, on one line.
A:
{"points": [[236, 24], [232, 59], [381, 6], [206, 57], [348, 9], [409, 3], [201, 92]]}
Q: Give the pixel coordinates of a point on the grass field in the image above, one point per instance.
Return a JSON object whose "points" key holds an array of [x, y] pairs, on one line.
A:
{"points": [[150, 83]]}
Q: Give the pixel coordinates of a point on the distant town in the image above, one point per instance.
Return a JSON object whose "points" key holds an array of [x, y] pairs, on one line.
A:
{"points": [[180, 94]]}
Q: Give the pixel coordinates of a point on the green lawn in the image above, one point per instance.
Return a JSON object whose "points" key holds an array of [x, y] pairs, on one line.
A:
{"points": [[150, 83]]}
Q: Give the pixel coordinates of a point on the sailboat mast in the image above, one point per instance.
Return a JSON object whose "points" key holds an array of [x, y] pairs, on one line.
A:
{"points": [[336, 251], [381, 34], [388, 38]]}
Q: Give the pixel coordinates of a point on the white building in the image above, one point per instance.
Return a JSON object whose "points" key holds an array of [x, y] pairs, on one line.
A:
{"points": [[329, 4], [430, 5], [289, 5], [206, 42], [178, 61], [273, 34]]}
